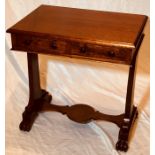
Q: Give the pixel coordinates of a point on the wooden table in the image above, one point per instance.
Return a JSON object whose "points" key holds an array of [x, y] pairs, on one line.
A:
{"points": [[84, 34]]}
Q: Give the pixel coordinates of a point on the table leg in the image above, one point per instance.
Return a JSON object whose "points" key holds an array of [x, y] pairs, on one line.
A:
{"points": [[131, 111], [37, 96], [130, 114]]}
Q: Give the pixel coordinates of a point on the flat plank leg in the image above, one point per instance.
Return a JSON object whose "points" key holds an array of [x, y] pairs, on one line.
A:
{"points": [[131, 111], [37, 96]]}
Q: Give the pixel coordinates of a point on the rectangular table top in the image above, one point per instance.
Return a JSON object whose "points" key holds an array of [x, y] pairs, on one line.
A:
{"points": [[107, 28]]}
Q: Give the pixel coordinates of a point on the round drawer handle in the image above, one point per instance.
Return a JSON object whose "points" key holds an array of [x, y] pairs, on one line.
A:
{"points": [[83, 49], [27, 42], [54, 44], [111, 53]]}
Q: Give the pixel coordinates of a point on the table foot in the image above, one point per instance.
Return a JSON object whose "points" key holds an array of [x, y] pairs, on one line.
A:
{"points": [[32, 110], [28, 120], [122, 144]]}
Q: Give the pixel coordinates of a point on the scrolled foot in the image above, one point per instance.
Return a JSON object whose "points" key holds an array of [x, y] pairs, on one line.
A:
{"points": [[33, 109], [122, 145], [25, 126], [28, 120]]}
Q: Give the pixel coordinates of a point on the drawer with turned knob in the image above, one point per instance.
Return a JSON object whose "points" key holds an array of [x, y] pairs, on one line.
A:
{"points": [[100, 52], [38, 44]]}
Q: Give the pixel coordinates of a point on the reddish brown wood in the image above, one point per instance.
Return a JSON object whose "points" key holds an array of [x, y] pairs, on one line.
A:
{"points": [[93, 35], [105, 27], [106, 37], [32, 110], [37, 96], [71, 48], [83, 113], [131, 111]]}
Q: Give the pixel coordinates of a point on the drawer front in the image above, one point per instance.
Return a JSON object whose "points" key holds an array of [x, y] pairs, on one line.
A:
{"points": [[70, 48], [100, 52], [37, 44]]}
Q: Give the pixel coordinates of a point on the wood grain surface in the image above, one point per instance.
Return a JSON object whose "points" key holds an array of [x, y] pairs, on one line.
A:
{"points": [[110, 28]]}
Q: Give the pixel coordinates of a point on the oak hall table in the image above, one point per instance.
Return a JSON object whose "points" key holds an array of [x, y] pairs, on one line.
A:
{"points": [[85, 34]]}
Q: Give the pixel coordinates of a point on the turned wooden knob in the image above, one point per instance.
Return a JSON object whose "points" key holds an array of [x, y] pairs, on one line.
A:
{"points": [[27, 42], [111, 53], [54, 44], [83, 49]]}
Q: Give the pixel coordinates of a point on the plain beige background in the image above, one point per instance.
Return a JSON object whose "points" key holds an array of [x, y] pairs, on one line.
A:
{"points": [[71, 81]]}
